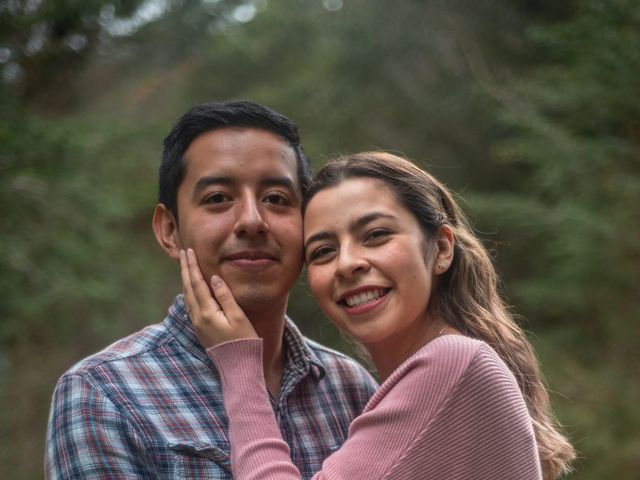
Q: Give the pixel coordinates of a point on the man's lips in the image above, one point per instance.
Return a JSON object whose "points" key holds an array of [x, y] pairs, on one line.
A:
{"points": [[250, 255], [251, 259]]}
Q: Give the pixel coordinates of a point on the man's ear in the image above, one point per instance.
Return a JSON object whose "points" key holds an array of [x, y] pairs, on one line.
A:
{"points": [[165, 228], [445, 243]]}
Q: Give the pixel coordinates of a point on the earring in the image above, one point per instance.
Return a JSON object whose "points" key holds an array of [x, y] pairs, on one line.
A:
{"points": [[441, 266]]}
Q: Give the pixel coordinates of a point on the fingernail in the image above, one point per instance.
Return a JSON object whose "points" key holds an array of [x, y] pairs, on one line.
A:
{"points": [[216, 281]]}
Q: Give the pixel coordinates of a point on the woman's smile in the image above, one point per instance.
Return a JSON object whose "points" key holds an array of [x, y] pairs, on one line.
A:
{"points": [[363, 300], [368, 266]]}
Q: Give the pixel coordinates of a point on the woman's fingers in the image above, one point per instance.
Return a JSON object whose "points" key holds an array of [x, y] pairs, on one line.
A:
{"points": [[201, 293], [216, 318], [189, 296], [238, 321], [225, 299]]}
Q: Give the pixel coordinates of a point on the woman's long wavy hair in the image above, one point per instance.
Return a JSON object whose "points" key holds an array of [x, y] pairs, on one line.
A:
{"points": [[466, 297]]}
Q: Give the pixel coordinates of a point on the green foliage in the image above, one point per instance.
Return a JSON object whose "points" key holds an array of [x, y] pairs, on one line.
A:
{"points": [[573, 127], [528, 109], [48, 41]]}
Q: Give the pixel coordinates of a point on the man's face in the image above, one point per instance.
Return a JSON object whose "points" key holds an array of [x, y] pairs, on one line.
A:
{"points": [[239, 210]]}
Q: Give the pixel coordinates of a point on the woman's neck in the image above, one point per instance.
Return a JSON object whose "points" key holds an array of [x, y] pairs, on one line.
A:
{"points": [[390, 353]]}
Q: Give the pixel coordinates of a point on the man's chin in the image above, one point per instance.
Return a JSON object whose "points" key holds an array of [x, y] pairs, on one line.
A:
{"points": [[258, 299]]}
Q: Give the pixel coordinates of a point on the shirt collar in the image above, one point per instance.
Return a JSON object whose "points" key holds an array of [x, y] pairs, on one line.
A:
{"points": [[301, 359], [179, 325], [299, 355]]}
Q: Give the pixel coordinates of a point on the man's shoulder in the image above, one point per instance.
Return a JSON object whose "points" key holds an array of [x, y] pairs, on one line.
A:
{"points": [[122, 351]]}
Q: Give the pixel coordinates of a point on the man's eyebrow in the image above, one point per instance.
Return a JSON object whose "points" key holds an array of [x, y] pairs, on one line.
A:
{"points": [[359, 223], [279, 181], [204, 182], [207, 181]]}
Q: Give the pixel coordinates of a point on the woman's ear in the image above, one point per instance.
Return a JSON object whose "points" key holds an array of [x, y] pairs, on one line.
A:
{"points": [[165, 228], [445, 243]]}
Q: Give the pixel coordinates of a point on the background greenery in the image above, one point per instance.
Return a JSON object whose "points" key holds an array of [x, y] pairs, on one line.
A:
{"points": [[529, 109]]}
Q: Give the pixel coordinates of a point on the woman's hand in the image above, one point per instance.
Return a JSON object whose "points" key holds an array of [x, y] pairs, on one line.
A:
{"points": [[218, 318]]}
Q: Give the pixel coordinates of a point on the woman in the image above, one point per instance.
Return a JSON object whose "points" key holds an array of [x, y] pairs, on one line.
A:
{"points": [[392, 261]]}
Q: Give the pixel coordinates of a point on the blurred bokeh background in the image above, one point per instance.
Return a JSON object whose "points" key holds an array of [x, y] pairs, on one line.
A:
{"points": [[528, 109]]}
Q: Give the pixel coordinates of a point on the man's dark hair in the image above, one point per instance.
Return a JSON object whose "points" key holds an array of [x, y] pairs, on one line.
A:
{"points": [[212, 116]]}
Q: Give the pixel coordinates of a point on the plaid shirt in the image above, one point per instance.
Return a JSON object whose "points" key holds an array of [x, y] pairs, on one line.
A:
{"points": [[150, 406]]}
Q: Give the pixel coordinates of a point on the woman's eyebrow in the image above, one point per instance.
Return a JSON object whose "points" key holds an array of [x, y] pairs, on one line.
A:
{"points": [[317, 237], [368, 218], [359, 223]]}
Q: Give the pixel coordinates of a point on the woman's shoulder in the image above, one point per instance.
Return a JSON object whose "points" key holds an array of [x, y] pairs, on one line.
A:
{"points": [[478, 423], [455, 356], [443, 360], [479, 369], [472, 369], [471, 355], [426, 377], [453, 350], [455, 341], [447, 361]]}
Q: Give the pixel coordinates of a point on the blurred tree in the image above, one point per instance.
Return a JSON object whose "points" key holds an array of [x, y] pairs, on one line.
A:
{"points": [[60, 228], [572, 123], [43, 43], [528, 108]]}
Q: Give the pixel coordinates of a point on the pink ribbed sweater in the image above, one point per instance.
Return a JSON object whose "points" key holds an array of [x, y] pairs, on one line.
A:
{"points": [[451, 411]]}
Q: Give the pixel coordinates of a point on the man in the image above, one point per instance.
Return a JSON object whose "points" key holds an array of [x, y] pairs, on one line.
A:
{"points": [[150, 406]]}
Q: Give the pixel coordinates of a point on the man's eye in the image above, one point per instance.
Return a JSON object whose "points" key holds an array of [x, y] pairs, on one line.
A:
{"points": [[276, 199], [217, 198]]}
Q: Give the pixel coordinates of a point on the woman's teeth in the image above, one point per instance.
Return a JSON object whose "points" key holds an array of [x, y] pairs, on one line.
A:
{"points": [[363, 297]]}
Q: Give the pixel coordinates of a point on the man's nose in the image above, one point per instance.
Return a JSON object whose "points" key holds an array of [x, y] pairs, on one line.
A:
{"points": [[250, 221]]}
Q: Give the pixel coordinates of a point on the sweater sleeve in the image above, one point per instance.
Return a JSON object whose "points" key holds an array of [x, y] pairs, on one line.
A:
{"points": [[396, 415], [257, 448]]}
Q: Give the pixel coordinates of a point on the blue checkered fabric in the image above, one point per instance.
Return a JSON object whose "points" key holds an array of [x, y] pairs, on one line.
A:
{"points": [[150, 406]]}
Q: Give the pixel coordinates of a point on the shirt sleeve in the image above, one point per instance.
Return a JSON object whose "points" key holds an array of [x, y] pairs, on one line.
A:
{"points": [[88, 437], [377, 439]]}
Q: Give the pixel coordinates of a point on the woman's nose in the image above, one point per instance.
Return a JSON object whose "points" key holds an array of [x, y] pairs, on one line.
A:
{"points": [[351, 262]]}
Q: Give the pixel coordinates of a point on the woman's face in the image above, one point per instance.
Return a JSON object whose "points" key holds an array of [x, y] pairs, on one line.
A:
{"points": [[369, 265]]}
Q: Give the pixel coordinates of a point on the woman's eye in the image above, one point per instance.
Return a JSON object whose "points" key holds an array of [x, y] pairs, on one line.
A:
{"points": [[376, 234], [217, 198], [319, 253]]}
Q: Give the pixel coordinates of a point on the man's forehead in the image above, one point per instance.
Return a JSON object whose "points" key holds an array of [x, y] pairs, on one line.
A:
{"points": [[231, 139], [242, 155]]}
